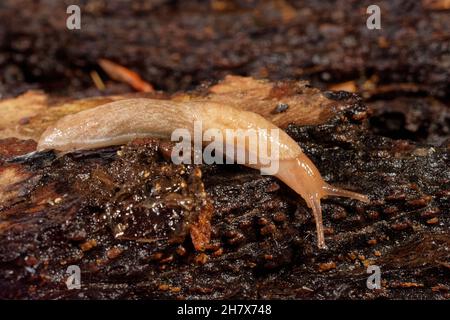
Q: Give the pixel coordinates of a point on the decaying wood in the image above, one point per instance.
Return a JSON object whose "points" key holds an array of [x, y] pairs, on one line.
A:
{"points": [[281, 103], [135, 223]]}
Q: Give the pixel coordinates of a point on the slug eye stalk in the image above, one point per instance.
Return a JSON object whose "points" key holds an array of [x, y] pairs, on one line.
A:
{"points": [[314, 204]]}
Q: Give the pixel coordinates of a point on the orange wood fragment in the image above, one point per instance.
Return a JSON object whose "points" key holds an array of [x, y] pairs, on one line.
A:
{"points": [[122, 74]]}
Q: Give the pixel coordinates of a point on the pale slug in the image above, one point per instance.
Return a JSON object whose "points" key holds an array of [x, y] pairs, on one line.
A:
{"points": [[121, 121]]}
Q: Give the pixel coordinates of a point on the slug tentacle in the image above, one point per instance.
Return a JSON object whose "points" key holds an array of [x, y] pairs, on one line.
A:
{"points": [[314, 204], [338, 192], [122, 121]]}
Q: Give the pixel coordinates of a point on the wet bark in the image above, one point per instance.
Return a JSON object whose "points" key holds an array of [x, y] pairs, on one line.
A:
{"points": [[125, 215]]}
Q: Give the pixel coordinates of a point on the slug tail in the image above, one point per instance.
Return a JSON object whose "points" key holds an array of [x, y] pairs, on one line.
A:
{"points": [[317, 213], [338, 192]]}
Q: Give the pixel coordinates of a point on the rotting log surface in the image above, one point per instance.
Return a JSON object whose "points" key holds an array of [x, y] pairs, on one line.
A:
{"points": [[102, 209], [177, 45]]}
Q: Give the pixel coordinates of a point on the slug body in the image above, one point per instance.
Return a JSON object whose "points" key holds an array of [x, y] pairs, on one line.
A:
{"points": [[122, 121]]}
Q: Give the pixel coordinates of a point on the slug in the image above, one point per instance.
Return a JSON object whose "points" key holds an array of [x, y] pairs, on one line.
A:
{"points": [[119, 122]]}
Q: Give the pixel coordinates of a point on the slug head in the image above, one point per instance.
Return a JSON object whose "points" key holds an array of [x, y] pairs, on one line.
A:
{"points": [[301, 175]]}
